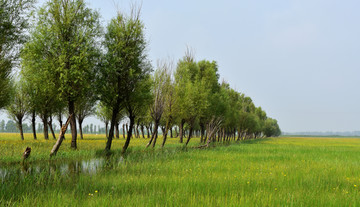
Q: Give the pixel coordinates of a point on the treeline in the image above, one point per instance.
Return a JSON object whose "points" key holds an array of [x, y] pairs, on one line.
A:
{"points": [[11, 126], [72, 67]]}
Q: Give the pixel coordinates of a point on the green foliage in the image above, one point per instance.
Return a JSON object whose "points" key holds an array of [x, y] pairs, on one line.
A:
{"points": [[13, 23]]}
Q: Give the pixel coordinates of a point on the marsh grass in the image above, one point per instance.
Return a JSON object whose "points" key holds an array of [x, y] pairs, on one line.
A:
{"points": [[269, 172]]}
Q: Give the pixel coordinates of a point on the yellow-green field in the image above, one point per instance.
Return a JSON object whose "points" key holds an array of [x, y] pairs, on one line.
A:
{"points": [[267, 172]]}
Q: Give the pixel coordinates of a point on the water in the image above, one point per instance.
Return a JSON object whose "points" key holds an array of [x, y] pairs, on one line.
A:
{"points": [[53, 167]]}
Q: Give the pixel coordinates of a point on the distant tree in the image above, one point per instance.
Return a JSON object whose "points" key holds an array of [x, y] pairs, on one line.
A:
{"points": [[2, 126], [14, 16], [104, 114], [18, 107], [84, 107], [10, 126]]}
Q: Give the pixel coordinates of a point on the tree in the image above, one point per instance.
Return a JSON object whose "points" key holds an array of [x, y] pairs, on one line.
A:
{"points": [[271, 128], [18, 107], [160, 89], [125, 70], [67, 32], [84, 107], [13, 23], [104, 114]]}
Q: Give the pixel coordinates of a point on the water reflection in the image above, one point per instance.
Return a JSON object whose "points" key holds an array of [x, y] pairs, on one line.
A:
{"points": [[53, 167]]}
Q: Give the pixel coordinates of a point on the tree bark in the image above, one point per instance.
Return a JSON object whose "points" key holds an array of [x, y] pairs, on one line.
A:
{"points": [[153, 136], [117, 130], [45, 124], [127, 142], [51, 128], [124, 131], [61, 137], [202, 130], [21, 129], [112, 126], [190, 134], [171, 132], [147, 131], [181, 130], [142, 131], [33, 119], [167, 127], [73, 124], [80, 127]]}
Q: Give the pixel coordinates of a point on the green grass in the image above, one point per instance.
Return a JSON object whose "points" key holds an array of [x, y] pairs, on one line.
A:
{"points": [[268, 172]]}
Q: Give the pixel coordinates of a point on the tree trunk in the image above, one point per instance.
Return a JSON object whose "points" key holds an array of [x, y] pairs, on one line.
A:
{"points": [[117, 130], [61, 122], [33, 119], [80, 127], [127, 128], [142, 131], [190, 134], [153, 136], [147, 131], [73, 124], [127, 142], [21, 129], [106, 129], [202, 127], [51, 128], [176, 132], [181, 130], [112, 126], [171, 132], [167, 127], [124, 131], [61, 137], [45, 124]]}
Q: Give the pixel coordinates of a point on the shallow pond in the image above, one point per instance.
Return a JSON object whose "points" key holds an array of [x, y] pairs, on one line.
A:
{"points": [[52, 167]]}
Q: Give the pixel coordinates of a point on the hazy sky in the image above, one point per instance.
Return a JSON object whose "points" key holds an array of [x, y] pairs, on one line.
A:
{"points": [[298, 60]]}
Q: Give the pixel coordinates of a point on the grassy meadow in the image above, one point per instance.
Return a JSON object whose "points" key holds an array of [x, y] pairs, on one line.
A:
{"points": [[266, 172]]}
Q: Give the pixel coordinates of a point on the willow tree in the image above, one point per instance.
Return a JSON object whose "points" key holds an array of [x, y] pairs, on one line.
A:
{"points": [[18, 107], [67, 32], [160, 89], [13, 23], [125, 70]]}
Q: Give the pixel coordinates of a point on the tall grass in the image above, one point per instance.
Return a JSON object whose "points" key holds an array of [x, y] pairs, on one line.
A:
{"points": [[270, 172]]}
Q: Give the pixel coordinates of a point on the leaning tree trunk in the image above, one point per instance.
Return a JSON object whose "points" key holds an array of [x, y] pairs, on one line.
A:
{"points": [[127, 142], [61, 137], [181, 130], [190, 134], [112, 126], [167, 127], [153, 136], [51, 128], [33, 119], [127, 128], [73, 124]]}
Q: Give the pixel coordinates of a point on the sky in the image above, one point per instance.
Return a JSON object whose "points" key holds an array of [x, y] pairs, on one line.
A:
{"points": [[297, 59]]}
